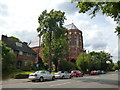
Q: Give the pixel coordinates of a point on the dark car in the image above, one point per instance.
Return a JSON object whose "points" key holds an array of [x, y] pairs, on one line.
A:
{"points": [[76, 73]]}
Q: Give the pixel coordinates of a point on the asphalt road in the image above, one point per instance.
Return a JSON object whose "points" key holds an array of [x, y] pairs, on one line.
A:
{"points": [[109, 80]]}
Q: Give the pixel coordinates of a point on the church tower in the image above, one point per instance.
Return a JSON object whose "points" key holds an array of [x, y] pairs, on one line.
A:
{"points": [[75, 42]]}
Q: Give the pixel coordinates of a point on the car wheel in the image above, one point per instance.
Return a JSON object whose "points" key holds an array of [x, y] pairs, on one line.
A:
{"points": [[53, 78], [63, 77], [77, 76], [70, 77], [41, 79], [33, 80]]}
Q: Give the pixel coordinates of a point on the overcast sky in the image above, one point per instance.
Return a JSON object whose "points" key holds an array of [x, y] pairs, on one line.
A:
{"points": [[19, 18]]}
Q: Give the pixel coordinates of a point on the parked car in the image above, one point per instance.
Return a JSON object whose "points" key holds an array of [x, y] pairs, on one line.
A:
{"points": [[63, 74], [101, 71], [76, 73], [94, 72], [41, 76]]}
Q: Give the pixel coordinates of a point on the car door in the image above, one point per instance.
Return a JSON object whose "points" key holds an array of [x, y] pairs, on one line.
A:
{"points": [[43, 73], [48, 75], [67, 74]]}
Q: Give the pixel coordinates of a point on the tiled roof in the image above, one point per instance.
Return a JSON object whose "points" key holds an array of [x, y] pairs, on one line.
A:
{"points": [[18, 46], [71, 26]]}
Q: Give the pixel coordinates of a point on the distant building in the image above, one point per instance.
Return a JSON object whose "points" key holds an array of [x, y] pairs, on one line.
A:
{"points": [[23, 52], [75, 42], [39, 57]]}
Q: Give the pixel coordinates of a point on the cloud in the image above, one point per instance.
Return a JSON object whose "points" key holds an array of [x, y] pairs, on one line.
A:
{"points": [[68, 7], [95, 42], [25, 36], [110, 20], [3, 10], [19, 18]]}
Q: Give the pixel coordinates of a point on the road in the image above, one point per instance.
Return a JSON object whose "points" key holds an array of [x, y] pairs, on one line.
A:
{"points": [[109, 80]]}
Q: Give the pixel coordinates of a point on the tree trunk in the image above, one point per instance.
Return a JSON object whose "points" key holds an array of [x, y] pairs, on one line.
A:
{"points": [[50, 62], [56, 67]]}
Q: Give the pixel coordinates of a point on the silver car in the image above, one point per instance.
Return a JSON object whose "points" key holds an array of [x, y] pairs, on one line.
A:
{"points": [[41, 76], [63, 74]]}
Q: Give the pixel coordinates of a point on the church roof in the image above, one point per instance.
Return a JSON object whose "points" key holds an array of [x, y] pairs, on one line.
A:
{"points": [[71, 26]]}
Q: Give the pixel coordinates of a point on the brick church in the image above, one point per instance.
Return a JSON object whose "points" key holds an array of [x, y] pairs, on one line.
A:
{"points": [[75, 42]]}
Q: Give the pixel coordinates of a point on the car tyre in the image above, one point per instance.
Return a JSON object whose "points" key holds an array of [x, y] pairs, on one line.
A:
{"points": [[77, 76], [53, 78], [33, 80], [41, 79], [70, 77], [63, 77]]}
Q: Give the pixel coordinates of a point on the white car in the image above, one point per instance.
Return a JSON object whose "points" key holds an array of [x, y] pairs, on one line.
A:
{"points": [[63, 74], [41, 76]]}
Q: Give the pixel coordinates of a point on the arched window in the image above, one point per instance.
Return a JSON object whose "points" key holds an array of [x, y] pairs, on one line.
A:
{"points": [[72, 39]]}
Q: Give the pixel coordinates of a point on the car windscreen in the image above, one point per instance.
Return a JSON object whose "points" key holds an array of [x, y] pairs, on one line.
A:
{"points": [[75, 72]]}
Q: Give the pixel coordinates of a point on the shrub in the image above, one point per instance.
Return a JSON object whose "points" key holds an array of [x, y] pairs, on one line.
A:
{"points": [[66, 66]]}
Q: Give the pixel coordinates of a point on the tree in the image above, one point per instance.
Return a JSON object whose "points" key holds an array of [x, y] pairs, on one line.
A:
{"points": [[59, 47], [111, 9], [66, 66], [101, 59], [50, 23], [8, 60], [14, 38], [82, 62], [118, 63], [94, 61]]}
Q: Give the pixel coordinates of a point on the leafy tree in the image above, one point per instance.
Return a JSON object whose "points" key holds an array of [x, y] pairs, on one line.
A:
{"points": [[94, 61], [111, 9], [82, 62], [50, 23], [14, 38], [101, 59], [110, 66], [118, 63], [66, 66], [8, 60], [59, 48]]}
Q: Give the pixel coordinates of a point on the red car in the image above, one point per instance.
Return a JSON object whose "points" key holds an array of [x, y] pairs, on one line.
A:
{"points": [[76, 73], [94, 73]]}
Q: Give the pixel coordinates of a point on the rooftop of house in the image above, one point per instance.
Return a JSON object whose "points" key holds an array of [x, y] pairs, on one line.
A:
{"points": [[71, 26], [18, 46]]}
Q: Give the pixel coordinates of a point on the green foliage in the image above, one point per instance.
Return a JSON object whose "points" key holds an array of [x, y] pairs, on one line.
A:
{"points": [[51, 29], [14, 38], [111, 9], [66, 66], [13, 75], [8, 60], [94, 61], [82, 61], [102, 58], [29, 65], [115, 67], [118, 63], [110, 66]]}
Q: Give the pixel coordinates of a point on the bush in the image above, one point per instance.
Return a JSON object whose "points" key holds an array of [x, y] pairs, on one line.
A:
{"points": [[66, 66], [20, 75]]}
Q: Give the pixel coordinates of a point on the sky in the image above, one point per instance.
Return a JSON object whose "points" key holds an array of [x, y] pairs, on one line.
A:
{"points": [[19, 18]]}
